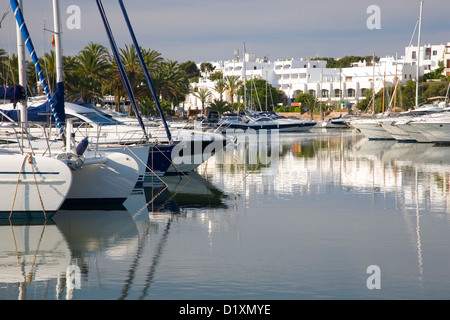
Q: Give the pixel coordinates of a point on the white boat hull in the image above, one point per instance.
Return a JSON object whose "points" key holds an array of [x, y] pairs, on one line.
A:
{"points": [[414, 132], [396, 131], [32, 190], [103, 184], [372, 130], [434, 132]]}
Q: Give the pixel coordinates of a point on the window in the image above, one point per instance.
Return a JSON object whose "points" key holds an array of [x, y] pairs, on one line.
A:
{"points": [[325, 93], [434, 52], [413, 55], [351, 92]]}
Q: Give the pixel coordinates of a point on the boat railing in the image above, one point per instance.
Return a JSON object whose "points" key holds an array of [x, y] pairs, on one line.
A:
{"points": [[10, 137], [34, 137], [103, 134]]}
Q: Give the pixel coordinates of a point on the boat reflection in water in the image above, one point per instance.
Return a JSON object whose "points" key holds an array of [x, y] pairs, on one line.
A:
{"points": [[34, 258], [308, 163], [226, 227]]}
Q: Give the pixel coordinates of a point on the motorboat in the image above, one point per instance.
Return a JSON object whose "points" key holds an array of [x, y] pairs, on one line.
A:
{"points": [[371, 127]]}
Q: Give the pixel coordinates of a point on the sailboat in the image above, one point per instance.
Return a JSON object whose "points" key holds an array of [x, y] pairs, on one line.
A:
{"points": [[100, 176], [33, 186], [188, 149], [391, 126]]}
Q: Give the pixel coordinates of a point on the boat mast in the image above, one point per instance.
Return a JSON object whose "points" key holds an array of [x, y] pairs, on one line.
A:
{"points": [[244, 78], [29, 44], [22, 73], [418, 55], [58, 46], [146, 74], [373, 90]]}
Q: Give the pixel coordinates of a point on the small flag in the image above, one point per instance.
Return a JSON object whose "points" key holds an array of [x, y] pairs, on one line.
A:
{"points": [[53, 40]]}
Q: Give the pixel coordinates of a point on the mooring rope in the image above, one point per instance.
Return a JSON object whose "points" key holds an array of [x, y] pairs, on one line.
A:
{"points": [[28, 156]]}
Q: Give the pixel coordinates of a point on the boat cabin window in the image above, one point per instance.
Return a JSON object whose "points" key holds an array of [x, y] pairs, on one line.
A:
{"points": [[77, 121], [99, 119]]}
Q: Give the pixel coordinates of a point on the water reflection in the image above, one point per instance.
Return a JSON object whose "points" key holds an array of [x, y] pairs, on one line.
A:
{"points": [[104, 246], [33, 260], [185, 228], [309, 164]]}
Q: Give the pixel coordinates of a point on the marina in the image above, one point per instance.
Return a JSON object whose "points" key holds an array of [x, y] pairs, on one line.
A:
{"points": [[305, 225], [124, 177]]}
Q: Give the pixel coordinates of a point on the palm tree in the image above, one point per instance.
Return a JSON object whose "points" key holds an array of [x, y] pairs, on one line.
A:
{"points": [[131, 64], [171, 82], [4, 67], [90, 69], [152, 59], [220, 87], [203, 94], [9, 68], [219, 105], [48, 62], [232, 85]]}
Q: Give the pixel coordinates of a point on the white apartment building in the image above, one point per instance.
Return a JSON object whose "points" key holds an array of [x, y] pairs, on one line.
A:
{"points": [[447, 60], [430, 56], [329, 85]]}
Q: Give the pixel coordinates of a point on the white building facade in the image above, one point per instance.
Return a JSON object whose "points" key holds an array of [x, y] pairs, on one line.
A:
{"points": [[329, 85]]}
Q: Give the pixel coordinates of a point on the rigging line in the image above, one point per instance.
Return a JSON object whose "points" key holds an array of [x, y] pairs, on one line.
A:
{"points": [[122, 72], [156, 259], [17, 186], [5, 14], [144, 67], [29, 44]]}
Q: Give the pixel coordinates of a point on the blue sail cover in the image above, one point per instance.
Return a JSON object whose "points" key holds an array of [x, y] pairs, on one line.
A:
{"points": [[13, 93], [41, 113]]}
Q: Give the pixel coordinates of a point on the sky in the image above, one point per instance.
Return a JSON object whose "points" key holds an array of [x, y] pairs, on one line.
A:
{"points": [[201, 30]]}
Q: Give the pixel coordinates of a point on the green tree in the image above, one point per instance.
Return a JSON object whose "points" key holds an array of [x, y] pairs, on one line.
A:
{"points": [[347, 61], [9, 69], [203, 94], [206, 68], [191, 70], [409, 95], [220, 87], [261, 94], [216, 76], [171, 82], [90, 69], [219, 105], [232, 84], [307, 102]]}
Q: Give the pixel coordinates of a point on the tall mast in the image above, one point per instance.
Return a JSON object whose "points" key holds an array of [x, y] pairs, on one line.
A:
{"points": [[146, 74], [58, 46], [373, 91], [22, 72], [29, 44], [418, 55], [244, 78]]}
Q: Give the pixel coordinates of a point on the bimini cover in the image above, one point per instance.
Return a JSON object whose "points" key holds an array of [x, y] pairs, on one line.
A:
{"points": [[43, 112], [13, 93]]}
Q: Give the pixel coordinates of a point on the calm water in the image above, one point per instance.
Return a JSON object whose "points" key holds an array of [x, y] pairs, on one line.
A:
{"points": [[301, 216]]}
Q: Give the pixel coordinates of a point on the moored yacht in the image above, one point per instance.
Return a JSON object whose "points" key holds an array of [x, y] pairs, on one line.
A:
{"points": [[371, 128]]}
